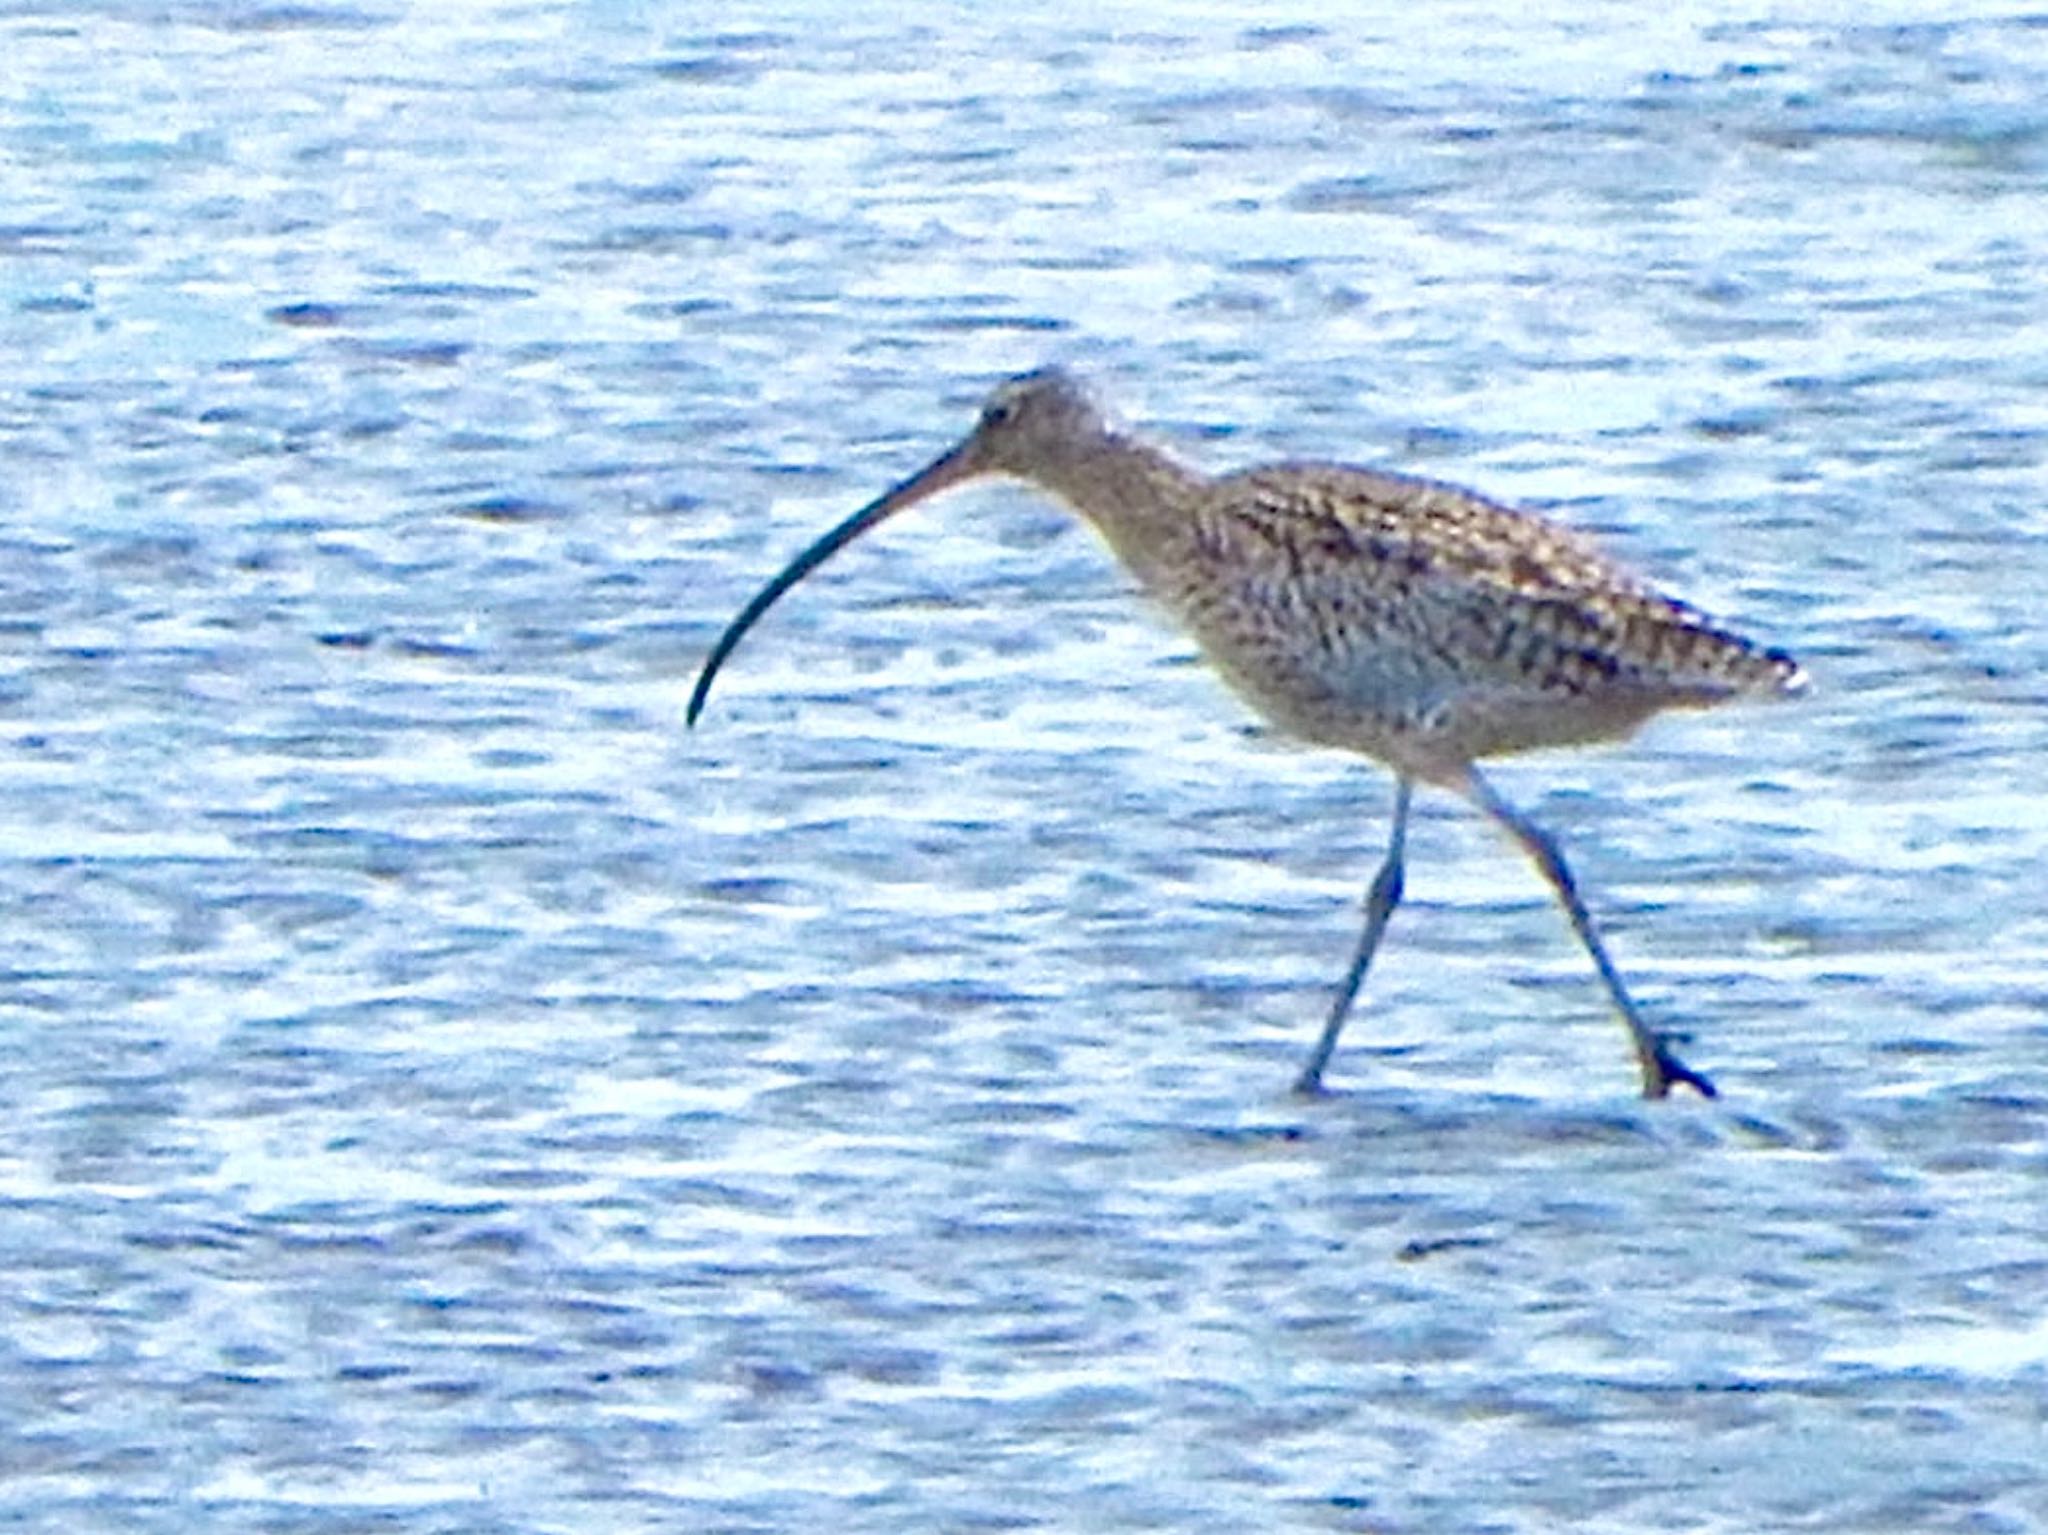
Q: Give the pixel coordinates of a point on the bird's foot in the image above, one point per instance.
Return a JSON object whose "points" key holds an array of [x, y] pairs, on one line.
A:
{"points": [[1662, 1071], [1310, 1085]]}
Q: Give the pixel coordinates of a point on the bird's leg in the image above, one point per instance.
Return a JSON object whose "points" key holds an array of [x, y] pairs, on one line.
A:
{"points": [[1380, 902], [1660, 1068]]}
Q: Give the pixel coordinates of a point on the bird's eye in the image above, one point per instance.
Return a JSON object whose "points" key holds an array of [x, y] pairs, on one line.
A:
{"points": [[999, 413]]}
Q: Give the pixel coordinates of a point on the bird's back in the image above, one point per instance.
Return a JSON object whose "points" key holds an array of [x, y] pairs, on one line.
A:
{"points": [[1429, 626]]}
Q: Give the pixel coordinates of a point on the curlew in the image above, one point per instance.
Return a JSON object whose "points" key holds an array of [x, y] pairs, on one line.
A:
{"points": [[1420, 624]]}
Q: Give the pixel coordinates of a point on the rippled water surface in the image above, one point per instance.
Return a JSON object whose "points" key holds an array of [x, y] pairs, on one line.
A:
{"points": [[442, 1094]]}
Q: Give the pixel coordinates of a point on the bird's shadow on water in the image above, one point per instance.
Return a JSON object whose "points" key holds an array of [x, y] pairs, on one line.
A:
{"points": [[1353, 1117], [1452, 1123], [1425, 1175]]}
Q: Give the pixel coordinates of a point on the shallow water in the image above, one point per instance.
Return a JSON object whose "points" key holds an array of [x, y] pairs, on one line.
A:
{"points": [[446, 1095]]}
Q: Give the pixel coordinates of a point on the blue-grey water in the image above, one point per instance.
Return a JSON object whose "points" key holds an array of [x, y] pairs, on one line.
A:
{"points": [[442, 1094]]}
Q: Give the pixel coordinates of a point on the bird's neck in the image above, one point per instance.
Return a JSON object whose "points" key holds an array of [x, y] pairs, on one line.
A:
{"points": [[1137, 496]]}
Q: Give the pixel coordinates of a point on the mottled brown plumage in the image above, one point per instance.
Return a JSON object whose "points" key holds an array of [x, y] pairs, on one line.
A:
{"points": [[1413, 621]]}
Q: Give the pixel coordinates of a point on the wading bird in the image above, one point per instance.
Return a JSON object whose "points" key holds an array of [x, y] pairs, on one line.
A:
{"points": [[1413, 621]]}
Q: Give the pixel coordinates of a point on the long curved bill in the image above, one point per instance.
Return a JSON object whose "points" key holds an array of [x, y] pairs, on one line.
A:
{"points": [[947, 470]]}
